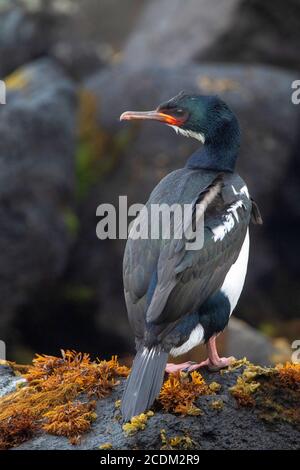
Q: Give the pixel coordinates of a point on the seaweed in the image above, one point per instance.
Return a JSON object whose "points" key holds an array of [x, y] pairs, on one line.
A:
{"points": [[51, 391], [179, 392]]}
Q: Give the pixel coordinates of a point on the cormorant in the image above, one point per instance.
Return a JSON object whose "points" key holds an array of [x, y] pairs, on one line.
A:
{"points": [[178, 298]]}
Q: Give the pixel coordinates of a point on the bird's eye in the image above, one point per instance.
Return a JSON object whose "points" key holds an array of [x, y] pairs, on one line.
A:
{"points": [[178, 112]]}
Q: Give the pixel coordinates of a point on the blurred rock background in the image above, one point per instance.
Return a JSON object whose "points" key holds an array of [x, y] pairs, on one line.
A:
{"points": [[71, 67]]}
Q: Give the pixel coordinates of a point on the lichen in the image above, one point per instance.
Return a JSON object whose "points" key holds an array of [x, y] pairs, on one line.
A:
{"points": [[217, 405], [243, 390], [51, 391], [137, 423], [214, 386], [179, 392], [106, 446], [176, 442], [272, 392]]}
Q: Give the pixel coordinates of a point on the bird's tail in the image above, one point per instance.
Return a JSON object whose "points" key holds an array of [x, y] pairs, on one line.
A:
{"points": [[144, 382]]}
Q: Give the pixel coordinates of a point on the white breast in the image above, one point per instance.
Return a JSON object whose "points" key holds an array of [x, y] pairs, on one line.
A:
{"points": [[235, 278]]}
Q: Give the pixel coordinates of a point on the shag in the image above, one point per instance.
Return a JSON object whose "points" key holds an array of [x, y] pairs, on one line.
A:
{"points": [[178, 298]]}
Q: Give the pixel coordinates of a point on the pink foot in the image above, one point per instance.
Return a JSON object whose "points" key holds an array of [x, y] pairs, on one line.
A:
{"points": [[172, 368], [213, 366]]}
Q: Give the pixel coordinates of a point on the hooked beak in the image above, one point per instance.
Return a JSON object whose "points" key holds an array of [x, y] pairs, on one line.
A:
{"points": [[152, 116]]}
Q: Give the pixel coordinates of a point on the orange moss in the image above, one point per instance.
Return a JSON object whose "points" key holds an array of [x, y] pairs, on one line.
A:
{"points": [[18, 428], [70, 420], [289, 375], [179, 392], [53, 383]]}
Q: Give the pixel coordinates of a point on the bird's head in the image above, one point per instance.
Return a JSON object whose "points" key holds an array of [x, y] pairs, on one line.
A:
{"points": [[202, 117]]}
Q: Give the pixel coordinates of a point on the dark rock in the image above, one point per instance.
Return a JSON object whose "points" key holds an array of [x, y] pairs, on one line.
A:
{"points": [[37, 141], [79, 58], [232, 427], [258, 34], [24, 36], [169, 33]]}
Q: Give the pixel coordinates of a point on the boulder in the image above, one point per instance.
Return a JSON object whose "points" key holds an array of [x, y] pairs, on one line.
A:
{"points": [[169, 33], [37, 142], [24, 36], [221, 424]]}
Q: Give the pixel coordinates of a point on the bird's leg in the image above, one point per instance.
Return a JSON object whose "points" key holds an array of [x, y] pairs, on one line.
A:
{"points": [[214, 362], [172, 368]]}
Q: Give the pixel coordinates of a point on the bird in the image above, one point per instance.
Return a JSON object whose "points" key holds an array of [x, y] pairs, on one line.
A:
{"points": [[177, 298]]}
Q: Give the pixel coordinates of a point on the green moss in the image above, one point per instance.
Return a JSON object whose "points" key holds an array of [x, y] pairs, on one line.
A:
{"points": [[71, 221]]}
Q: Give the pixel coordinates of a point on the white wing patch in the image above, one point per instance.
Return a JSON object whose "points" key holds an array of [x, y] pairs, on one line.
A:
{"points": [[243, 190], [187, 133], [231, 215], [228, 222]]}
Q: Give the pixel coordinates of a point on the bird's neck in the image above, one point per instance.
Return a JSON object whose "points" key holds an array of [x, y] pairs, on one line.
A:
{"points": [[219, 152]]}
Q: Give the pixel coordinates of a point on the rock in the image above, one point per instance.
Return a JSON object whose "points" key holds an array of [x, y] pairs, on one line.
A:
{"points": [[81, 58], [229, 427], [8, 380], [269, 133], [257, 34], [24, 36], [37, 142], [216, 31], [242, 340], [169, 33]]}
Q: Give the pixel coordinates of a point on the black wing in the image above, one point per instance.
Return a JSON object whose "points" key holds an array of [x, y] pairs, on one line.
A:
{"points": [[163, 280]]}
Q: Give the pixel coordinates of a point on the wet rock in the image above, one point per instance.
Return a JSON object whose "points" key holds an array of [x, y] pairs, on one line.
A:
{"points": [[37, 141]]}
